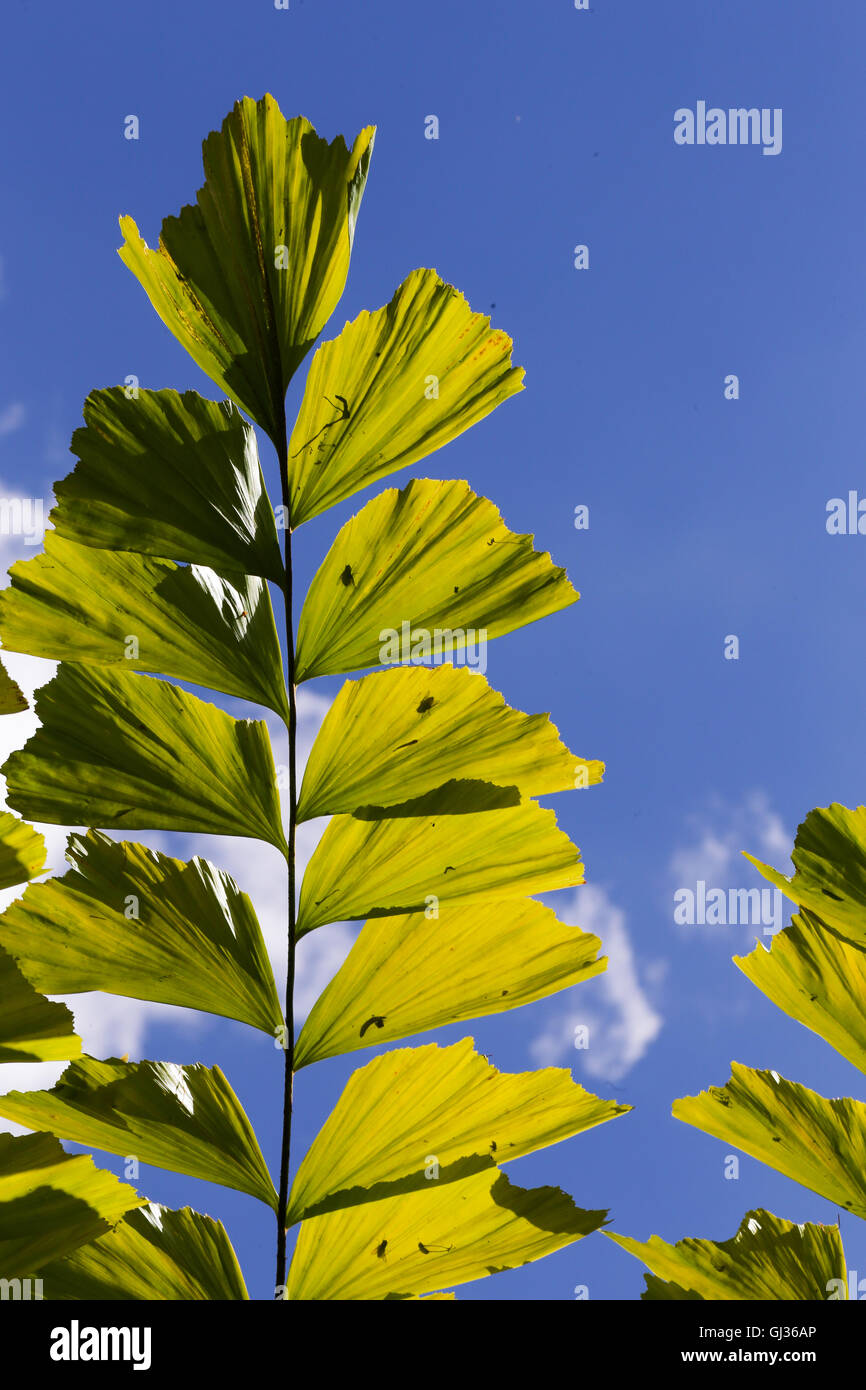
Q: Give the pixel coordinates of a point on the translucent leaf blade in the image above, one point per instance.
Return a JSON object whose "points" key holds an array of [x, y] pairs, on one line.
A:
{"points": [[247, 277], [819, 979], [433, 557], [449, 1103], [480, 1226], [51, 1202], [119, 750], [172, 475], [410, 377], [32, 1028], [116, 608], [388, 867], [767, 1259], [12, 700], [186, 1119], [817, 1142], [22, 851], [403, 733], [405, 975], [155, 1255], [130, 921]]}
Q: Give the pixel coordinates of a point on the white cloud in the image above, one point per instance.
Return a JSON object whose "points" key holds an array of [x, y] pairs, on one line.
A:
{"points": [[713, 855], [12, 417], [621, 1019]]}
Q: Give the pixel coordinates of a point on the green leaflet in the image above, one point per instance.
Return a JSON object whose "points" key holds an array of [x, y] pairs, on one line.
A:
{"points": [[247, 277], [405, 975], [32, 1028], [426, 571], [76, 603], [156, 1254], [412, 376], [131, 921], [383, 867], [474, 1228], [817, 978], [406, 1106], [404, 733], [121, 750], [22, 851], [12, 700], [819, 1143], [829, 857], [51, 1202], [171, 475], [767, 1259], [187, 1119]]}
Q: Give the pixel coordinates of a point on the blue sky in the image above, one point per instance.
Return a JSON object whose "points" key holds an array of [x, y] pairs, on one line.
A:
{"points": [[707, 515]]}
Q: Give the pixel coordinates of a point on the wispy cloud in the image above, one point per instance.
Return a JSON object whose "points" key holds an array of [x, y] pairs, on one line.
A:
{"points": [[621, 1019], [12, 417]]}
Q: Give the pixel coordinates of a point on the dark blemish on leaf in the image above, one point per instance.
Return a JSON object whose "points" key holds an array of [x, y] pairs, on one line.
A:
{"points": [[776, 1139], [449, 869], [381, 1248], [834, 896], [347, 577], [426, 1249], [426, 705], [405, 745], [504, 992], [343, 415], [493, 1146], [379, 1021]]}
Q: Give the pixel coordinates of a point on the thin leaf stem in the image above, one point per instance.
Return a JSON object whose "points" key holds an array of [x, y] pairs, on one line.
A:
{"points": [[285, 1152]]}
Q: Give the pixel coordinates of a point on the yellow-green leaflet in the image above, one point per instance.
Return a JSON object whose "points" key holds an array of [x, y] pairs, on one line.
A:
{"points": [[121, 750], [128, 920], [829, 857], [51, 1202], [156, 1254], [172, 475], [767, 1259], [12, 700], [817, 978], [247, 277], [407, 974], [445, 1106], [420, 574], [819, 1143], [32, 1028], [423, 1241], [22, 851], [395, 385], [187, 1119], [116, 608], [404, 733], [381, 867]]}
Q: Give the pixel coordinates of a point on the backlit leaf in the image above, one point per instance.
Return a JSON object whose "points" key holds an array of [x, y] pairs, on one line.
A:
{"points": [[384, 867], [187, 1119], [819, 1143], [247, 277], [22, 851], [110, 608], [424, 1241], [405, 975], [154, 1255], [829, 858], [395, 385], [119, 750], [817, 978], [400, 734], [134, 922], [449, 1102], [171, 475], [431, 559], [32, 1028], [767, 1259], [12, 700], [51, 1202]]}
